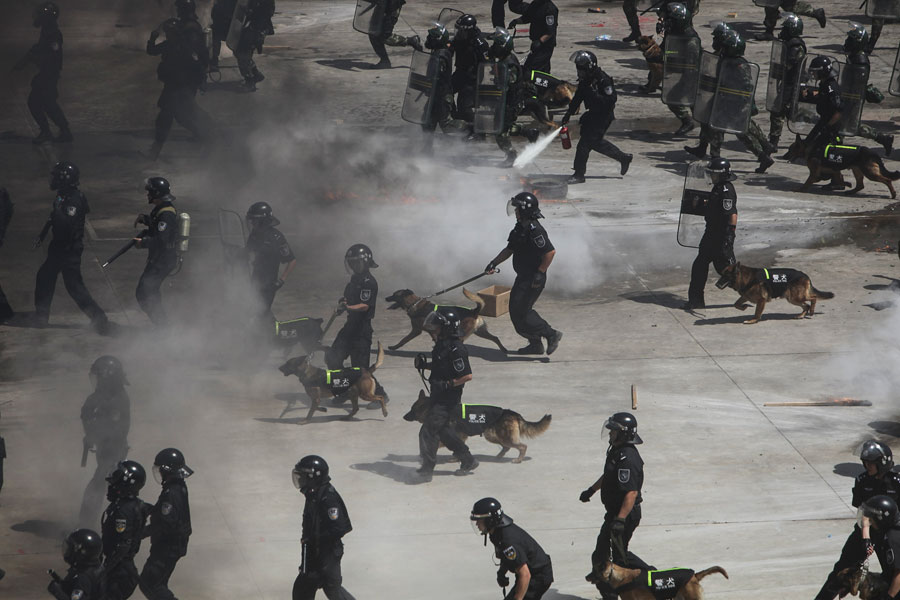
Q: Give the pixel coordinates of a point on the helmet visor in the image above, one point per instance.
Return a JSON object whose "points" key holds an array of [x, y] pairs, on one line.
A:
{"points": [[355, 265], [510, 208], [433, 322], [157, 474], [302, 479]]}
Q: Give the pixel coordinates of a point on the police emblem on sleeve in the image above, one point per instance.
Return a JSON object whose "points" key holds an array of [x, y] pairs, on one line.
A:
{"points": [[71, 210], [364, 295], [284, 250], [77, 594], [120, 525], [161, 226], [550, 19], [608, 90], [459, 365], [624, 475], [510, 553], [540, 241], [727, 203], [333, 513], [166, 507]]}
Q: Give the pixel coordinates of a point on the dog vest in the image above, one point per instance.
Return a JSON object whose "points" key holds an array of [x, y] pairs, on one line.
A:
{"points": [[778, 280], [837, 155], [475, 418], [544, 81], [340, 380], [664, 585]]}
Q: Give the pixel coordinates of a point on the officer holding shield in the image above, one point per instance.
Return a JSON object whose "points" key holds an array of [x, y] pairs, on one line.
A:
{"points": [[387, 36], [518, 90], [677, 22], [470, 49], [267, 249], [827, 97], [855, 47], [441, 109], [543, 16], [793, 54]]}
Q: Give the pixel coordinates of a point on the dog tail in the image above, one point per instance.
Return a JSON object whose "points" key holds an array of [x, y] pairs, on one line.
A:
{"points": [[821, 294], [479, 302], [892, 175], [710, 571], [530, 430], [379, 358]]}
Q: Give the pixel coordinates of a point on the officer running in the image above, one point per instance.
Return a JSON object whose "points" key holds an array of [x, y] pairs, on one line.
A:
{"points": [[325, 523], [85, 579], [386, 35], [267, 249], [122, 528], [532, 252], [160, 238], [170, 524], [106, 418], [676, 20], [881, 516], [597, 91], [620, 491], [257, 25], [358, 300], [517, 552], [855, 47], [795, 52], [828, 102], [796, 7], [450, 371], [543, 18]]}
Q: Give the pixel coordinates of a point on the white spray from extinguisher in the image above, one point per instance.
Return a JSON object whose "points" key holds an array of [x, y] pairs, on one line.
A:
{"points": [[532, 151]]}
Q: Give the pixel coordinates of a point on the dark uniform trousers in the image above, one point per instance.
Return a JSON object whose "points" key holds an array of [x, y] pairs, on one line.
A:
{"points": [[155, 576], [358, 346], [109, 452], [178, 103], [122, 580], [604, 547], [527, 322], [42, 101], [852, 555], [69, 264], [437, 429], [148, 294], [323, 571], [711, 251], [593, 130], [392, 14], [539, 60], [629, 7]]}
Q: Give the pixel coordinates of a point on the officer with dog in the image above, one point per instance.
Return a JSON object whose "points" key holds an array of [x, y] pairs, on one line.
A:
{"points": [[620, 491], [122, 528], [795, 52], [85, 579], [881, 515], [795, 7], [532, 252], [543, 17], [878, 479], [828, 102], [267, 249], [855, 47], [717, 243], [517, 552], [325, 523], [450, 371], [159, 238], [358, 301], [597, 90]]}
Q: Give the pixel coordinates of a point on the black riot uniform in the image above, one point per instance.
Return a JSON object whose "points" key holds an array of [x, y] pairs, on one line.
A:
{"points": [[222, 11], [257, 25], [543, 17], [268, 249], [514, 548], [795, 52], [470, 49], [64, 253], [438, 41], [325, 523], [86, 578], [717, 243], [887, 548], [160, 239], [828, 103], [355, 337], [6, 213], [122, 528]]}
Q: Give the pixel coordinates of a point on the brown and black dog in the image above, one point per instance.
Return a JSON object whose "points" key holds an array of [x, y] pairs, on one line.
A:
{"points": [[628, 587], [317, 383], [418, 308], [761, 285], [507, 429], [654, 57], [862, 583], [863, 162]]}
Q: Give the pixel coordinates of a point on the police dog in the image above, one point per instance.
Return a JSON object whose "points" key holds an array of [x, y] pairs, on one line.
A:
{"points": [[314, 384], [866, 585], [864, 163], [654, 57], [753, 286], [506, 431], [418, 308], [618, 577]]}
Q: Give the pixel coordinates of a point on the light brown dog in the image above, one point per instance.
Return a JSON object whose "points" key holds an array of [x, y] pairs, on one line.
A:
{"points": [[418, 308], [507, 430], [315, 382], [761, 285], [619, 577], [864, 163], [866, 585], [654, 57]]}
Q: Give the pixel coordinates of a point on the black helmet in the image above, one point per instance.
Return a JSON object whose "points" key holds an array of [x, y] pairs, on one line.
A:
{"points": [[185, 8], [157, 187], [170, 463], [438, 37], [820, 67], [719, 170], [260, 213], [359, 259], [443, 321], [466, 21], [877, 453], [584, 61], [677, 18], [170, 28], [733, 45], [64, 175], [718, 32], [622, 428], [45, 14], [857, 39], [127, 480], [881, 510], [310, 473], [82, 547], [490, 510], [502, 45], [108, 369], [527, 203], [791, 27]]}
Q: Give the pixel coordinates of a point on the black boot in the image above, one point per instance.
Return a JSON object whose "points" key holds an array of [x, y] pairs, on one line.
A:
{"points": [[766, 36], [574, 179], [686, 125], [699, 151], [553, 342], [773, 142], [415, 42], [623, 167], [531, 134], [764, 163], [819, 15], [535, 346], [42, 137], [384, 63], [64, 137], [887, 141]]}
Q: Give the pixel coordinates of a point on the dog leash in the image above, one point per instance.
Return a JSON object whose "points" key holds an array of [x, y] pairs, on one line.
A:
{"points": [[412, 308]]}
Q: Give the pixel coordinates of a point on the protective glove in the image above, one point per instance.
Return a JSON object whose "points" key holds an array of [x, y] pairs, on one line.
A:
{"points": [[660, 27], [538, 280], [490, 267], [441, 385], [421, 361], [565, 119], [728, 242], [154, 35], [502, 579], [586, 495], [513, 23], [535, 45], [869, 546], [142, 219], [617, 528]]}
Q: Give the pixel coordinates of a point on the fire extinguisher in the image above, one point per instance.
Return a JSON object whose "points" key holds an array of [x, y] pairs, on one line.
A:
{"points": [[564, 137]]}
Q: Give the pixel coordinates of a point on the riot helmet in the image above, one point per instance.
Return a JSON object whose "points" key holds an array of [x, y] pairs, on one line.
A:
{"points": [[878, 454], [857, 39], [791, 27], [260, 213], [585, 61], [126, 480], [502, 45], [45, 14], [821, 67], [677, 18], [438, 37], [466, 26], [881, 510], [310, 473], [107, 370], [186, 9], [170, 28], [82, 547], [526, 203], [622, 428], [168, 464], [718, 32], [733, 45], [491, 515], [443, 322], [156, 187], [719, 170], [358, 259], [64, 175]]}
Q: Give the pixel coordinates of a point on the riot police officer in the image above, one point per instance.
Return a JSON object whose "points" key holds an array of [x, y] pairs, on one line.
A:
{"points": [[620, 491], [160, 239], [221, 14], [470, 49], [387, 36], [122, 528], [543, 17], [358, 300], [828, 102], [267, 249], [517, 551], [878, 479], [257, 24], [64, 253], [170, 524], [717, 243], [855, 47], [6, 213], [596, 89], [325, 523], [106, 418], [880, 513], [518, 90], [47, 56], [677, 21], [532, 252], [450, 371], [795, 52], [797, 7], [85, 579], [441, 113]]}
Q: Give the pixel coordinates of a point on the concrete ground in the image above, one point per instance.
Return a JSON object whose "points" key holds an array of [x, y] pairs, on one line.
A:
{"points": [[762, 491]]}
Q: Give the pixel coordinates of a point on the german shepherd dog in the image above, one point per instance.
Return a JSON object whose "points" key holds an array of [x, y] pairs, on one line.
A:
{"points": [[863, 163], [418, 308], [654, 57], [859, 582], [757, 286], [506, 431], [314, 384], [618, 577]]}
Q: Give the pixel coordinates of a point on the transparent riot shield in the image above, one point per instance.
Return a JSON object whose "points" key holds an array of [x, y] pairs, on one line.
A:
{"points": [[894, 87], [775, 86], [237, 24], [734, 95], [883, 9], [420, 87], [706, 87], [681, 70], [695, 198], [490, 97], [234, 239], [448, 17], [853, 82], [369, 16], [803, 109], [767, 3]]}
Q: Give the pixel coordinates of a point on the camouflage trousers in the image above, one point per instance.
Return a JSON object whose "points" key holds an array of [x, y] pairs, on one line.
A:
{"points": [[798, 8], [503, 141], [682, 112], [754, 140]]}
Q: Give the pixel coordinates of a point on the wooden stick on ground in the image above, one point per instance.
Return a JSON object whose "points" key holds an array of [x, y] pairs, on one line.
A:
{"points": [[829, 402], [633, 397]]}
